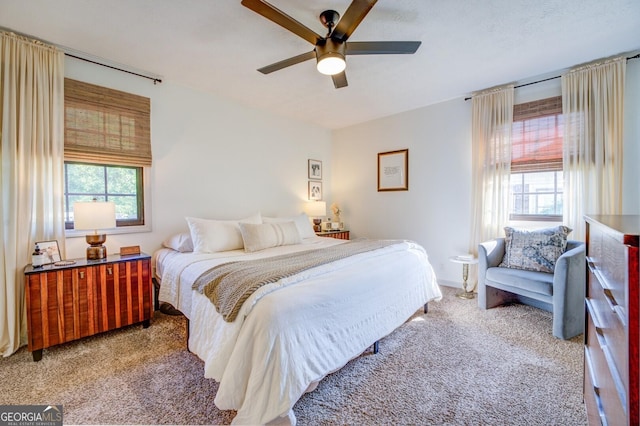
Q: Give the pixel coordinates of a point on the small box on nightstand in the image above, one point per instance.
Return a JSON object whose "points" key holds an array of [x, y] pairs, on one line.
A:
{"points": [[129, 250]]}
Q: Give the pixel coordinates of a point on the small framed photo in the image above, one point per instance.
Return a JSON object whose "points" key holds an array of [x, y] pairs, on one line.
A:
{"points": [[315, 190], [50, 250], [393, 170], [315, 169]]}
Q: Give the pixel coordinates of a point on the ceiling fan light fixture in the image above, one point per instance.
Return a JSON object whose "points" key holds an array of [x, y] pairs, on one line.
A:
{"points": [[331, 64], [330, 56]]}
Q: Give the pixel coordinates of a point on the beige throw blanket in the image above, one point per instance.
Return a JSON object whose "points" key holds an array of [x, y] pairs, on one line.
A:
{"points": [[228, 285]]}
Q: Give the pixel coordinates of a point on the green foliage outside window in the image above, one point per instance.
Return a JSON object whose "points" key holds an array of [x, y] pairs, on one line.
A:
{"points": [[119, 184]]}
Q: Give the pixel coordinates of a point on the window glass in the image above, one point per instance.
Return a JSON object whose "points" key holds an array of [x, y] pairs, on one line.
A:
{"points": [[119, 184], [537, 194]]}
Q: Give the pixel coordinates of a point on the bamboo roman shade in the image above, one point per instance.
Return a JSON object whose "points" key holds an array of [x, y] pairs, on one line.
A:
{"points": [[106, 126], [536, 136]]}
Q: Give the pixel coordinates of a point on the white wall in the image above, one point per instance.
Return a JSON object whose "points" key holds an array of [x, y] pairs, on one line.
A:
{"points": [[435, 210], [212, 158]]}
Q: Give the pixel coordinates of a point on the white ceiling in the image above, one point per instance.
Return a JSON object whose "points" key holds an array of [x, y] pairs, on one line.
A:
{"points": [[216, 46]]}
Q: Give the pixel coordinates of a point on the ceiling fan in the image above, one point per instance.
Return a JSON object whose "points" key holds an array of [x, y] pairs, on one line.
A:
{"points": [[330, 51]]}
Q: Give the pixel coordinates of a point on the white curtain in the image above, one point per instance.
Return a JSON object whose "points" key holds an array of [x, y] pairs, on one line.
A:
{"points": [[491, 162], [31, 179], [593, 109]]}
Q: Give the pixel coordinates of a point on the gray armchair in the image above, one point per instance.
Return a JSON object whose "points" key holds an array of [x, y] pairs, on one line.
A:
{"points": [[561, 293]]}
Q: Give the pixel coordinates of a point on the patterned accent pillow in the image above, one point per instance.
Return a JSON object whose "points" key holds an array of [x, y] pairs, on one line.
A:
{"points": [[534, 250]]}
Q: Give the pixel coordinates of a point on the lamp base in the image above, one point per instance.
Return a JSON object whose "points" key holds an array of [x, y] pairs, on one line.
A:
{"points": [[316, 225], [96, 250]]}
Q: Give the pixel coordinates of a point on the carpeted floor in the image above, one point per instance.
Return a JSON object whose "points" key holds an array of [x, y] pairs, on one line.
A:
{"points": [[456, 365]]}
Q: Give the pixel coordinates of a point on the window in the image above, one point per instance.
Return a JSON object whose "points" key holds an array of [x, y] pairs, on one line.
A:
{"points": [[537, 194], [107, 150], [536, 161], [120, 184]]}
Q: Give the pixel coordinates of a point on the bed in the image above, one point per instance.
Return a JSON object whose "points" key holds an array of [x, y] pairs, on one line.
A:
{"points": [[291, 333]]}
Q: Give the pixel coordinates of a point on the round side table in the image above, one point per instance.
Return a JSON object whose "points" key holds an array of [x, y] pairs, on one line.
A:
{"points": [[466, 261]]}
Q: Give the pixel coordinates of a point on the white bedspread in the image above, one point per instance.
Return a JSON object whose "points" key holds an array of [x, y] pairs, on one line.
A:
{"points": [[282, 346]]}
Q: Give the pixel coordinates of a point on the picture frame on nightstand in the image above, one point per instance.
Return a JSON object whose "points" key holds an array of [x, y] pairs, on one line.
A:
{"points": [[50, 251]]}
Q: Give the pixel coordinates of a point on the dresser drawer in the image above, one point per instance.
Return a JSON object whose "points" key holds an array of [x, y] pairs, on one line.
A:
{"points": [[607, 258], [607, 316], [603, 376]]}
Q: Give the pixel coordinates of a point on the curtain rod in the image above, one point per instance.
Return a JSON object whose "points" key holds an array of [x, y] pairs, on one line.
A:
{"points": [[551, 78], [75, 54], [154, 79]]}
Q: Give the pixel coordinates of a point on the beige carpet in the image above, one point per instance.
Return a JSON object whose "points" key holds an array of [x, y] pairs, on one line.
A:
{"points": [[455, 365]]}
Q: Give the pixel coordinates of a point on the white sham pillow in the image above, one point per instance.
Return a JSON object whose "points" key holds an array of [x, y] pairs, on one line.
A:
{"points": [[210, 236], [266, 235], [302, 223], [179, 242]]}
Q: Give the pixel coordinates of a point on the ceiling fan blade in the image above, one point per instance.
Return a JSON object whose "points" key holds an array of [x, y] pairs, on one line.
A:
{"points": [[381, 47], [279, 17], [351, 18], [288, 62], [339, 80]]}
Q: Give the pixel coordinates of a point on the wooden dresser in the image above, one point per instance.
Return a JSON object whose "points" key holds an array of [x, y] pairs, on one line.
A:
{"points": [[611, 370], [66, 303]]}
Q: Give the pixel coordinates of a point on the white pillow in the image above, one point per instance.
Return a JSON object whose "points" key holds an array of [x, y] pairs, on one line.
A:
{"points": [[180, 242], [302, 223], [210, 236], [260, 237]]}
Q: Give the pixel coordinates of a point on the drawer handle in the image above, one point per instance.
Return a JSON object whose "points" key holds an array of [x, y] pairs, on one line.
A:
{"points": [[81, 275], [594, 316], [594, 270], [589, 362], [109, 270], [617, 309], [611, 301]]}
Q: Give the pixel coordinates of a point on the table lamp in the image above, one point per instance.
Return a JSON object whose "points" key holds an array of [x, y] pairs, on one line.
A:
{"points": [[95, 215], [317, 210]]}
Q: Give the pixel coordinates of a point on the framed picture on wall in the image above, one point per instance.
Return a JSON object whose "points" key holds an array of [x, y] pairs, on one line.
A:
{"points": [[315, 190], [393, 170], [315, 169]]}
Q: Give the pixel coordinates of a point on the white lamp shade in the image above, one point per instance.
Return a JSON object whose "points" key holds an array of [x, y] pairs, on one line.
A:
{"points": [[316, 208], [94, 215]]}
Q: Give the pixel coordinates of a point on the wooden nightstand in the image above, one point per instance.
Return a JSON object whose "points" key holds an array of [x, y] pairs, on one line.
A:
{"points": [[341, 235], [66, 303]]}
